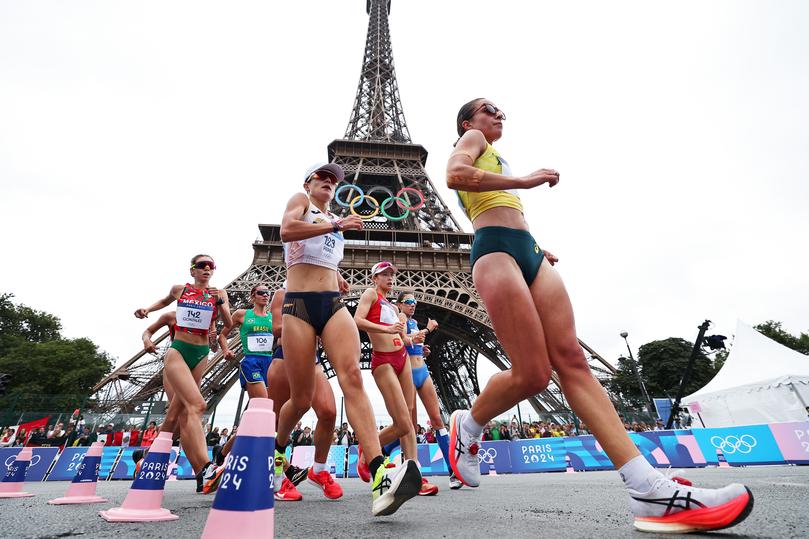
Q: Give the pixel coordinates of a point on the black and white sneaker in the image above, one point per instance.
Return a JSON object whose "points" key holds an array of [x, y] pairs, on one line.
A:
{"points": [[296, 475]]}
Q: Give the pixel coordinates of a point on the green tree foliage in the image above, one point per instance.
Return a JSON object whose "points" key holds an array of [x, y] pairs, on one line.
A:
{"points": [[719, 358], [39, 360], [625, 383], [20, 324], [773, 330], [662, 365]]}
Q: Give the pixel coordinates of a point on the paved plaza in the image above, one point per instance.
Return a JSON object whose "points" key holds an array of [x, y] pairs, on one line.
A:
{"points": [[584, 504]]}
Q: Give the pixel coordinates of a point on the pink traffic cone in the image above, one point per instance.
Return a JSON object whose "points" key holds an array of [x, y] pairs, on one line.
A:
{"points": [[11, 484], [244, 499], [83, 487], [142, 503]]}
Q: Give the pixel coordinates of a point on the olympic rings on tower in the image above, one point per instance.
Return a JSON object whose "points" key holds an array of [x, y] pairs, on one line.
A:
{"points": [[352, 202], [353, 205]]}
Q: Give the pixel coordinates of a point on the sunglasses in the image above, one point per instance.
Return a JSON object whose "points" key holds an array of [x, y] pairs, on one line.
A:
{"points": [[410, 302], [205, 264], [263, 293], [322, 176], [491, 109]]}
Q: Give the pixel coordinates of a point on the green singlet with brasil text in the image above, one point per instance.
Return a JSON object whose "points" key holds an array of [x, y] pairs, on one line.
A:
{"points": [[256, 334]]}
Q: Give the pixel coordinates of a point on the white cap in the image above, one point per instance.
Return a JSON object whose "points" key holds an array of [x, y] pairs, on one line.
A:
{"points": [[379, 267]]}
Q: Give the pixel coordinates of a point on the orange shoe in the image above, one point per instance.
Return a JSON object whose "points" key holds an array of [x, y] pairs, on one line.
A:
{"points": [[211, 478], [288, 492], [362, 467], [427, 489], [326, 483]]}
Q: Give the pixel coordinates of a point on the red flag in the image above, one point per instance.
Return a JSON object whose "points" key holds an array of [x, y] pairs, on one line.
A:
{"points": [[31, 425]]}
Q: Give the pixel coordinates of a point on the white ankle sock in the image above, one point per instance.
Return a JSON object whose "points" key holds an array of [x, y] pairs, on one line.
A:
{"points": [[638, 474], [471, 427], [443, 432], [318, 467]]}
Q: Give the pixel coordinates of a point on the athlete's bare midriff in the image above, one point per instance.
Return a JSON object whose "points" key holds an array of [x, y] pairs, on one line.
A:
{"points": [[311, 278], [501, 216]]}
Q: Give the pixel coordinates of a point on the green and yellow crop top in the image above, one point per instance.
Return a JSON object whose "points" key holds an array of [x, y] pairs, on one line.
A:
{"points": [[476, 203]]}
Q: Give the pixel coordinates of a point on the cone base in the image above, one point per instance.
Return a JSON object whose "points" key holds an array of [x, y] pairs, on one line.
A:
{"points": [[15, 494], [251, 524], [120, 514], [77, 499]]}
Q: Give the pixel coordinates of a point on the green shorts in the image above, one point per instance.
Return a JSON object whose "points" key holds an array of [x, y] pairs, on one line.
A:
{"points": [[520, 244], [192, 353]]}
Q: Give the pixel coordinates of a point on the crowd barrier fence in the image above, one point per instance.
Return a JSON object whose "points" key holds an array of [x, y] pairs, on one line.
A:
{"points": [[774, 443]]}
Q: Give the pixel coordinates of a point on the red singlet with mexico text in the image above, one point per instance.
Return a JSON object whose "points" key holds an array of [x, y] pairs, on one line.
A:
{"points": [[195, 310]]}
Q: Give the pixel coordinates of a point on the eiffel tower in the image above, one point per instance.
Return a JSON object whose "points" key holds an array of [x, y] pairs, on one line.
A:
{"points": [[422, 238]]}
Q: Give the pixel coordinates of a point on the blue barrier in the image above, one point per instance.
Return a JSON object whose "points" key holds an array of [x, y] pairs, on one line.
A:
{"points": [[538, 455], [752, 444], [40, 461], [494, 457], [777, 443], [65, 468], [352, 461], [336, 460], [431, 460], [585, 454], [125, 469]]}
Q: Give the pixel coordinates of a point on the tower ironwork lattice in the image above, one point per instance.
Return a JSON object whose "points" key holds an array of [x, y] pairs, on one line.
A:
{"points": [[427, 245]]}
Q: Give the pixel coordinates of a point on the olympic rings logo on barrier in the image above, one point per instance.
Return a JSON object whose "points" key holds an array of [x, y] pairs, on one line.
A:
{"points": [[34, 460], [732, 444], [401, 198], [487, 455]]}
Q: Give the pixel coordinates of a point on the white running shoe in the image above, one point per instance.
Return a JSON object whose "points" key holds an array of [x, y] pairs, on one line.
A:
{"points": [[463, 451], [672, 505], [454, 482]]}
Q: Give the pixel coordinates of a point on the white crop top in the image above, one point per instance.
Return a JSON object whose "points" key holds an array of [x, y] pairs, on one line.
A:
{"points": [[325, 250]]}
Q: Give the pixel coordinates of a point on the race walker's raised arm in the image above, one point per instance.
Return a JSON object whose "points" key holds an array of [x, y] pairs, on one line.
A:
{"points": [[173, 295]]}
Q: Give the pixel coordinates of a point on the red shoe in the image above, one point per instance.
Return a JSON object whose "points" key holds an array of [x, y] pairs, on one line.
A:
{"points": [[427, 489], [326, 482], [362, 467], [288, 492]]}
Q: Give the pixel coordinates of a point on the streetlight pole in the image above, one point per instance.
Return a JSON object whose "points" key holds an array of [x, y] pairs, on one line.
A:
{"points": [[649, 403]]}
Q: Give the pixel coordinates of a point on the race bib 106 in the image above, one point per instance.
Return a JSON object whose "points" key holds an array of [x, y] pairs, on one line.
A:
{"points": [[259, 342]]}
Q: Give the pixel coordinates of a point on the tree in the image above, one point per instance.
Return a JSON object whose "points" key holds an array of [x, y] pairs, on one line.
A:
{"points": [[625, 383], [20, 323], [40, 361], [662, 365], [719, 358], [773, 330], [664, 362]]}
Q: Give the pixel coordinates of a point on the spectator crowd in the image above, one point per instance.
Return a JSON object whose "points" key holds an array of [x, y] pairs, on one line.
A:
{"points": [[77, 433]]}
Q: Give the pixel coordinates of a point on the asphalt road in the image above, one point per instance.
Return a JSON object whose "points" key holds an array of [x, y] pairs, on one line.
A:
{"points": [[585, 504]]}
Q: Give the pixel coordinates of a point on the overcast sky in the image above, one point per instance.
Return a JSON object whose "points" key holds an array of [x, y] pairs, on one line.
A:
{"points": [[136, 134]]}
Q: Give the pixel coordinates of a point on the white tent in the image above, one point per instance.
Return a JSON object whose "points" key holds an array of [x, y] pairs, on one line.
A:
{"points": [[761, 381]]}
